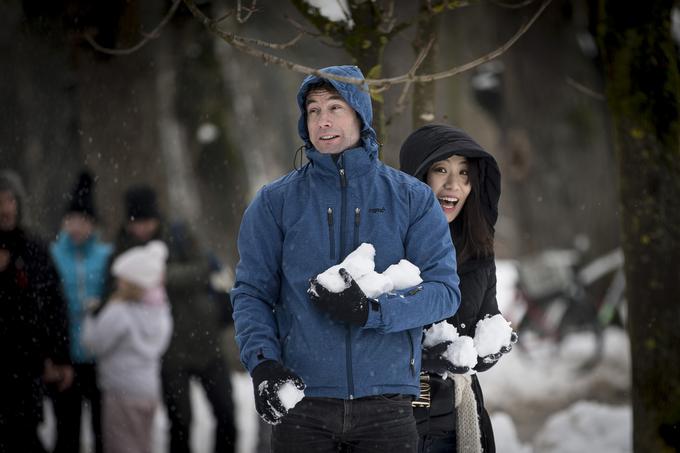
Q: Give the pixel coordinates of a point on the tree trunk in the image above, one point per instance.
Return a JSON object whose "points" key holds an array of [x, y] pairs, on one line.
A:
{"points": [[423, 109], [643, 90]]}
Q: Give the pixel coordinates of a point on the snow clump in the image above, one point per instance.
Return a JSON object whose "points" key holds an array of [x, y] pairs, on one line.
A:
{"points": [[491, 334], [360, 264], [462, 352], [289, 395]]}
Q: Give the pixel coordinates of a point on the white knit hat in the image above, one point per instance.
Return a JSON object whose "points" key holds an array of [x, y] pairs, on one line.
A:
{"points": [[144, 265]]}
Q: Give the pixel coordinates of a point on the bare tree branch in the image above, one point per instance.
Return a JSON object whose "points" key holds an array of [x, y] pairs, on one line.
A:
{"points": [[318, 36], [585, 90], [155, 33], [381, 84], [249, 11], [512, 5], [270, 45], [412, 72]]}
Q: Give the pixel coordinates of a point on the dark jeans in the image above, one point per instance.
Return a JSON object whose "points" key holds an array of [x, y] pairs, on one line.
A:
{"points": [[374, 424], [68, 407], [215, 379], [429, 444]]}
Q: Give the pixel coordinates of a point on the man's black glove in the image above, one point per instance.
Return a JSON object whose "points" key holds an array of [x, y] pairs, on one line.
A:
{"points": [[350, 305], [433, 360], [268, 377], [493, 358]]}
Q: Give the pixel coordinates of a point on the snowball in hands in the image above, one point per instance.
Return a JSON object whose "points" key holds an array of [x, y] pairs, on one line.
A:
{"points": [[361, 266], [439, 333], [461, 352], [491, 334], [289, 395], [358, 263]]}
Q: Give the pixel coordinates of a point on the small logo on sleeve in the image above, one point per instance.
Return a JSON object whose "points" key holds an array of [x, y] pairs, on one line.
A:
{"points": [[376, 210]]}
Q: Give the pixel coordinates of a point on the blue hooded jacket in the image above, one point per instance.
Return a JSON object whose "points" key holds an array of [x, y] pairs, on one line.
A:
{"points": [[311, 219]]}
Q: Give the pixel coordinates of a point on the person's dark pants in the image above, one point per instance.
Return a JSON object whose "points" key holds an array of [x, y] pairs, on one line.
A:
{"points": [[215, 379], [21, 411], [429, 444], [68, 410], [20, 436], [374, 424]]}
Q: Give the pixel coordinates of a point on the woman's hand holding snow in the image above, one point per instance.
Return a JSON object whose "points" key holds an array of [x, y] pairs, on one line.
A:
{"points": [[446, 352], [434, 361], [349, 305], [277, 390], [493, 338]]}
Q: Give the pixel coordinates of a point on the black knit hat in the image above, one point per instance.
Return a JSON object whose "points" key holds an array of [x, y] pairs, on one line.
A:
{"points": [[141, 203], [82, 197], [434, 142]]}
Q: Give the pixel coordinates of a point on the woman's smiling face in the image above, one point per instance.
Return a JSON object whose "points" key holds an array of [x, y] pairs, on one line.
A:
{"points": [[450, 183]]}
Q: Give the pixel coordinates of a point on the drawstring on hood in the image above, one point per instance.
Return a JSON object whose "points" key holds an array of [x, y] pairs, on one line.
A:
{"points": [[356, 96]]}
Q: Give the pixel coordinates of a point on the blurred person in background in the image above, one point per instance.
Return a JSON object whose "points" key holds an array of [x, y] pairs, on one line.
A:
{"points": [[128, 337], [33, 325], [196, 351], [467, 183], [81, 259]]}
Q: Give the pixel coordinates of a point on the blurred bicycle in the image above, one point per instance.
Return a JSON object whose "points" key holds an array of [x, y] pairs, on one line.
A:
{"points": [[557, 294]]}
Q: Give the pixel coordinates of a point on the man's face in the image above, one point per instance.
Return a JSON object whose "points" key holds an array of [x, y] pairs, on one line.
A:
{"points": [[143, 230], [79, 227], [333, 125], [9, 211]]}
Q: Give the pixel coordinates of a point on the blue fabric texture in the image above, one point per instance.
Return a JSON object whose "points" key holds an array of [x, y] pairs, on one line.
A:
{"points": [[82, 270], [311, 219]]}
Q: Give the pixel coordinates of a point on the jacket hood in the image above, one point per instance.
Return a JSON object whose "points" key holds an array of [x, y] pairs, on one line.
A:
{"points": [[11, 181], [434, 142], [358, 97]]}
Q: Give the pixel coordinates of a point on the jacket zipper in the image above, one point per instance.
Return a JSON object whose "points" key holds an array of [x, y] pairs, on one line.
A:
{"points": [[331, 235], [343, 213], [343, 220], [412, 359], [357, 221]]}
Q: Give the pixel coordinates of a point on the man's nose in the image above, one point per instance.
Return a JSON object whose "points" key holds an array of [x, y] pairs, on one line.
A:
{"points": [[324, 119]]}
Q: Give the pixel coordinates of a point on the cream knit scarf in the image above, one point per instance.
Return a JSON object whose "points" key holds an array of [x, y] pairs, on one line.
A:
{"points": [[468, 436]]}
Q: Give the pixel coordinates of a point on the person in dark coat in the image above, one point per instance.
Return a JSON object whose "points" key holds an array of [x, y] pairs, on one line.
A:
{"points": [[195, 351], [81, 260], [466, 181], [33, 325]]}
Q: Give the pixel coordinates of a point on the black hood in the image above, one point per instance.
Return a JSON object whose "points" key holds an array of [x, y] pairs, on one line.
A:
{"points": [[435, 142]]}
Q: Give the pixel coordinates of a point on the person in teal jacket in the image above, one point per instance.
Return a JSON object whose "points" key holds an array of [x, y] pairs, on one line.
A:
{"points": [[81, 260], [357, 359]]}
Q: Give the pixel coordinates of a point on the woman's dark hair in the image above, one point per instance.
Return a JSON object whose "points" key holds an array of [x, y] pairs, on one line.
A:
{"points": [[470, 231]]}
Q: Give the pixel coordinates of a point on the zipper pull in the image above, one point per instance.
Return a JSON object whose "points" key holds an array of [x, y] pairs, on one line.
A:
{"points": [[343, 181], [357, 216], [330, 216]]}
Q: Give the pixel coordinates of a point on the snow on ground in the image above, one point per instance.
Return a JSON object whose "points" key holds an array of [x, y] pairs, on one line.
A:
{"points": [[540, 398]]}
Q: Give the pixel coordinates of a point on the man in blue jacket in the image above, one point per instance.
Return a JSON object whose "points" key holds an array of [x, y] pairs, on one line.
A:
{"points": [[357, 359]]}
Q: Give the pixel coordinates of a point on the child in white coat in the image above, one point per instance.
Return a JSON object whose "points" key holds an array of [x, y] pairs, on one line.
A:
{"points": [[128, 337]]}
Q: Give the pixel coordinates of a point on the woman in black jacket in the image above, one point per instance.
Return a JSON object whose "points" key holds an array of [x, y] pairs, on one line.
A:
{"points": [[466, 181]]}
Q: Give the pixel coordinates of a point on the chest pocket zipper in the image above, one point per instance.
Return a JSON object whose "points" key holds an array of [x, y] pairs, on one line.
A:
{"points": [[331, 233], [357, 221]]}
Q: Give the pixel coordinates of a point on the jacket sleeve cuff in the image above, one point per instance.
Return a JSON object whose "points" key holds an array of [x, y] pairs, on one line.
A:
{"points": [[374, 319], [261, 356]]}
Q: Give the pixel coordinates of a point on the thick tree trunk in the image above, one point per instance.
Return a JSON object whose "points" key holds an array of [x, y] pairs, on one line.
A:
{"points": [[423, 108], [643, 88]]}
